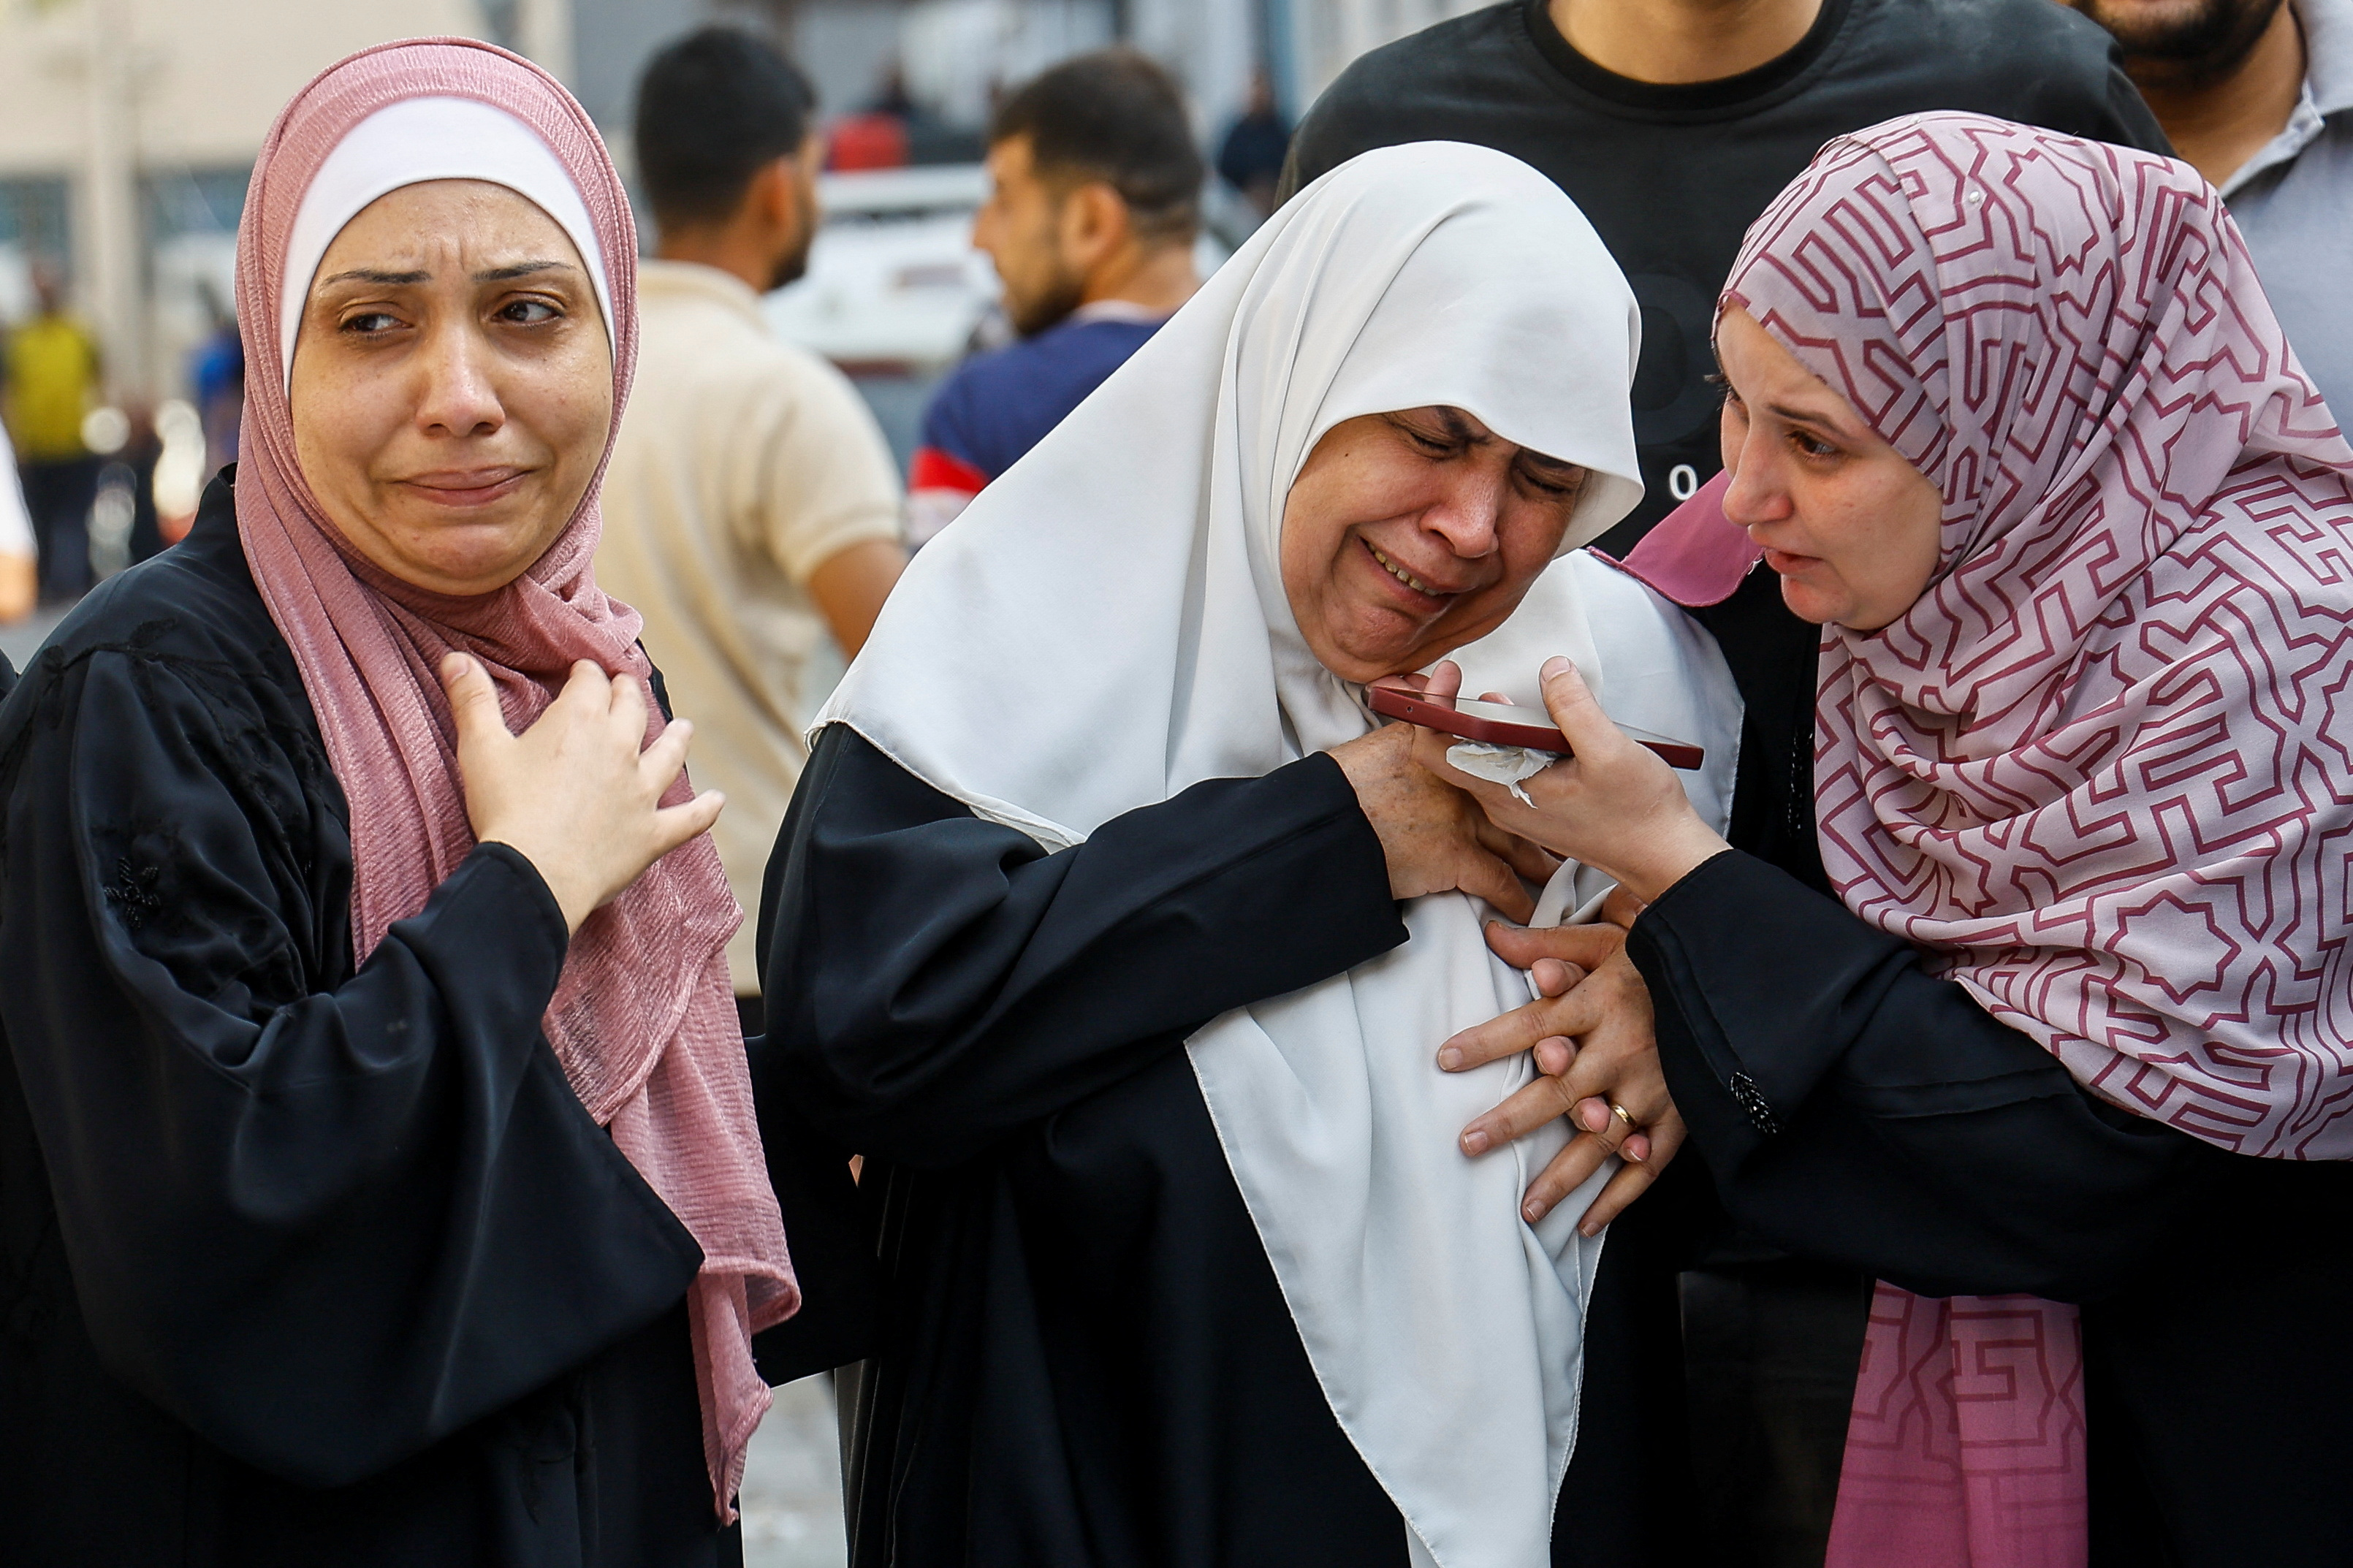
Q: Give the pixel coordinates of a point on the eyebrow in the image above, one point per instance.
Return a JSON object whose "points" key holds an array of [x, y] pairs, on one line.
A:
{"points": [[397, 280], [1810, 417]]}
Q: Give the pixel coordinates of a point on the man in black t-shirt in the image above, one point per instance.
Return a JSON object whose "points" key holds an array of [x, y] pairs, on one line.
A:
{"points": [[1673, 124], [1672, 169]]}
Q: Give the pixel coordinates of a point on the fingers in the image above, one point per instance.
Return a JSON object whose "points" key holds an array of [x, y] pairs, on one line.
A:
{"points": [[585, 686], [674, 825], [1553, 977], [1570, 702], [1634, 1180], [1586, 946], [1621, 907], [1446, 681], [1522, 1029], [629, 704], [1568, 1170], [473, 699], [661, 761], [1528, 1109], [1555, 1055], [1488, 877]]}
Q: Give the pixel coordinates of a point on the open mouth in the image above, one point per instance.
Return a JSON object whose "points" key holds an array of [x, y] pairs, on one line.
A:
{"points": [[1406, 577]]}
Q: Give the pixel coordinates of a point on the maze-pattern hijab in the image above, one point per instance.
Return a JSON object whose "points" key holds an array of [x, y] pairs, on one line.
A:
{"points": [[2099, 768], [2100, 764]]}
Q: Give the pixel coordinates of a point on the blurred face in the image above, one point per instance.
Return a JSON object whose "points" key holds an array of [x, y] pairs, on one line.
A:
{"points": [[1021, 228], [452, 384], [1409, 535], [803, 215], [1852, 528], [2195, 40]]}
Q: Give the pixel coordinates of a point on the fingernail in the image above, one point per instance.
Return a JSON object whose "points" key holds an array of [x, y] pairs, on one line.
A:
{"points": [[1554, 666], [1474, 1142], [1587, 1230], [1534, 1210], [1450, 1059]]}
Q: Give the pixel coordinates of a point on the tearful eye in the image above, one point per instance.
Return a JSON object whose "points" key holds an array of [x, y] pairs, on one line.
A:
{"points": [[1813, 446], [528, 312], [367, 323]]}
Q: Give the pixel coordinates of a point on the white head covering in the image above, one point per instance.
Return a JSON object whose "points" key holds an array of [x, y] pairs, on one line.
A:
{"points": [[408, 144], [1106, 625]]}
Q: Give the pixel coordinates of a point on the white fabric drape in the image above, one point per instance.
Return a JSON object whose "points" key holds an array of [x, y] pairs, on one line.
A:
{"points": [[1106, 625]]}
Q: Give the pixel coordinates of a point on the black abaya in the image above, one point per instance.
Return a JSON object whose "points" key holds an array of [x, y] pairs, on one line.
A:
{"points": [[1855, 1109], [1081, 1355], [299, 1263]]}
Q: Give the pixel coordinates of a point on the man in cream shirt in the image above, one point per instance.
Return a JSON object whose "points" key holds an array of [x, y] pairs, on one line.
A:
{"points": [[751, 510]]}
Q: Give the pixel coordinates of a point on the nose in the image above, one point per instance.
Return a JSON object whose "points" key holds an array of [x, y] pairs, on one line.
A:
{"points": [[1469, 515], [1757, 494], [459, 396]]}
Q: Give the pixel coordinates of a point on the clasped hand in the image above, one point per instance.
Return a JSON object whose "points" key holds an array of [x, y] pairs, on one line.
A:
{"points": [[579, 792], [1590, 1031], [1615, 805]]}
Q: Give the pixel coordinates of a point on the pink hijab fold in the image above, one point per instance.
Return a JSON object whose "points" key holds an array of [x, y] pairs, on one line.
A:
{"points": [[643, 1019], [2099, 768]]}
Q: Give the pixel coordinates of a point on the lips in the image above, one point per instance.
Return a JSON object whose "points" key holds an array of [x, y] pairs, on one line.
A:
{"points": [[1786, 563], [466, 487], [1406, 577]]}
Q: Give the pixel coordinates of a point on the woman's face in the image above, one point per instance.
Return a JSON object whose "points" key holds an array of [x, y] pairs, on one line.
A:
{"points": [[1409, 535], [452, 384], [1850, 526]]}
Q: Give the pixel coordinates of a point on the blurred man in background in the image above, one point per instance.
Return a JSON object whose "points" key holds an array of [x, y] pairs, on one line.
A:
{"points": [[52, 373], [1251, 156], [751, 508], [1094, 202], [2259, 95]]}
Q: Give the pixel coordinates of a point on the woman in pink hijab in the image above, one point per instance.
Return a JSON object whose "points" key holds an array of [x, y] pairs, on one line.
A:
{"points": [[2067, 1066], [379, 1182]]}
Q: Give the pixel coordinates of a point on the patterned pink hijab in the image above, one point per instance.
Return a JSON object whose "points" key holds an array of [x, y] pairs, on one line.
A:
{"points": [[643, 1019], [2100, 766]]}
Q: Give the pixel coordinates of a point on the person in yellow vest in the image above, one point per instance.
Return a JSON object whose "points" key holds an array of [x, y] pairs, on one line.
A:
{"points": [[52, 374]]}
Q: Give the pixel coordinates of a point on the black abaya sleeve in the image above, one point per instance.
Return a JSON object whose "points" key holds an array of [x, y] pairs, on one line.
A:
{"points": [[1855, 1109], [937, 982], [322, 1218]]}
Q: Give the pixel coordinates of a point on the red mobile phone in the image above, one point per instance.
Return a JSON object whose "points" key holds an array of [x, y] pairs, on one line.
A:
{"points": [[1502, 724]]}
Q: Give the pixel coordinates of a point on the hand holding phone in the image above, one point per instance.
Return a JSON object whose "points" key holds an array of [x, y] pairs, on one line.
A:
{"points": [[1502, 724]]}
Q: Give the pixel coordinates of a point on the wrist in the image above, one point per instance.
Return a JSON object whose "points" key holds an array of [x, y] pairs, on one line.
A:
{"points": [[1669, 855], [571, 901]]}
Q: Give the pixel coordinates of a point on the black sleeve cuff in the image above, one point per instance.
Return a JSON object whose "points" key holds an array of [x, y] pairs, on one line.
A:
{"points": [[497, 901], [1759, 984]]}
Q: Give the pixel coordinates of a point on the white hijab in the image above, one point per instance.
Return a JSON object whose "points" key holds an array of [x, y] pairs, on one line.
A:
{"points": [[1106, 625]]}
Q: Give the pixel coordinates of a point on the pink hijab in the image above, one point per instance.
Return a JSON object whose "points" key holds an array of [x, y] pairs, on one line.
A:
{"points": [[2099, 767], [643, 1018]]}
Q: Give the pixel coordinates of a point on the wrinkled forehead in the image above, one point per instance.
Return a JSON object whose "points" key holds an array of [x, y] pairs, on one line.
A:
{"points": [[408, 144]]}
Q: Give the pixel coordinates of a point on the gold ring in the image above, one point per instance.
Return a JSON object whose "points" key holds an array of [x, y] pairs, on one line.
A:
{"points": [[1625, 1116]]}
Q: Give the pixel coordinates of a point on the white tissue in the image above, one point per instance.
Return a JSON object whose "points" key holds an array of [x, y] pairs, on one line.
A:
{"points": [[1506, 765]]}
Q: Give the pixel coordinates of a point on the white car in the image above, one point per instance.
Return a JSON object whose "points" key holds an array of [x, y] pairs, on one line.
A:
{"points": [[893, 286]]}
